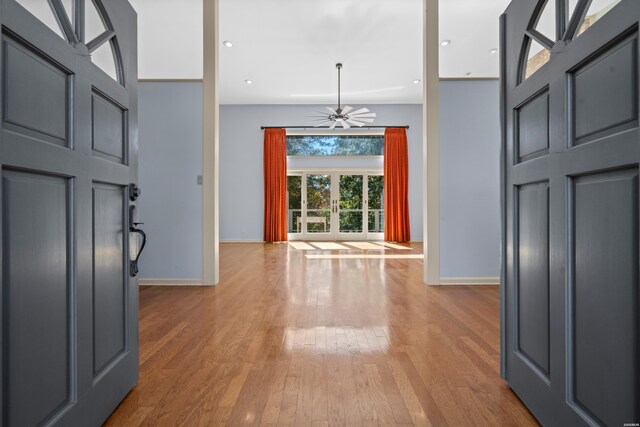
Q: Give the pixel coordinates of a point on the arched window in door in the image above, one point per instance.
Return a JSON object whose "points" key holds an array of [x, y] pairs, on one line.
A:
{"points": [[94, 29], [557, 21]]}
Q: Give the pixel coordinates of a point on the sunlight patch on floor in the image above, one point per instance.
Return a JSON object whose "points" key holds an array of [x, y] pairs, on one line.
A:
{"points": [[302, 246], [393, 246], [329, 246], [364, 256], [366, 246]]}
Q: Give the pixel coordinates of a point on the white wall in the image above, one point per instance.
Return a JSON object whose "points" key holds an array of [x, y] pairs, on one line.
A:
{"points": [[170, 160], [241, 175]]}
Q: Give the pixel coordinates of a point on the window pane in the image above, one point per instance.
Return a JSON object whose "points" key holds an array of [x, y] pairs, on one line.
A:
{"points": [[597, 10], [294, 199], [104, 58], [70, 9], [538, 56], [93, 25], [318, 203], [351, 203], [546, 24], [42, 10], [335, 145], [376, 204]]}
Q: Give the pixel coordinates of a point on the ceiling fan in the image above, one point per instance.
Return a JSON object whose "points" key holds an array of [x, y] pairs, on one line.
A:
{"points": [[346, 117]]}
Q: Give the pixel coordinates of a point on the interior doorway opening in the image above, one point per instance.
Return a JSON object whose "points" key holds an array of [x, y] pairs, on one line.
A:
{"points": [[342, 204]]}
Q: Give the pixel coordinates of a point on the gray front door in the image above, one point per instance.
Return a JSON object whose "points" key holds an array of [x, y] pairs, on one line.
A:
{"points": [[570, 209], [68, 151]]}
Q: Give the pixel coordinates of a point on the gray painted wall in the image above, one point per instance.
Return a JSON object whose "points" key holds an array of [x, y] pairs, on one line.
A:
{"points": [[170, 160], [241, 140], [469, 179]]}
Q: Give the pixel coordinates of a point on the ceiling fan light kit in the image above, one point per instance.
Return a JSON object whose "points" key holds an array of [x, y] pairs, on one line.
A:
{"points": [[346, 117]]}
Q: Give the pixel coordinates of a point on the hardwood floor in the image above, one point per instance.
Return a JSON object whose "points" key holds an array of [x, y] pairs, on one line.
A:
{"points": [[288, 340]]}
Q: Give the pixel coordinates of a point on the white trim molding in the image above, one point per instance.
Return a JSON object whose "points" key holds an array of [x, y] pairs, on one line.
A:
{"points": [[170, 282], [431, 143], [210, 148], [467, 281]]}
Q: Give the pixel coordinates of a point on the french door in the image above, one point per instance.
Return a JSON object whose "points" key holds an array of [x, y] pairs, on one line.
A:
{"points": [[335, 205]]}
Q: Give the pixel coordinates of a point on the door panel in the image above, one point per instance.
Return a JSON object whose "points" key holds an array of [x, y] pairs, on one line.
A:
{"points": [[42, 112], [532, 121], [36, 292], [533, 282], [571, 150], [605, 91], [68, 152], [109, 287], [605, 295], [108, 128]]}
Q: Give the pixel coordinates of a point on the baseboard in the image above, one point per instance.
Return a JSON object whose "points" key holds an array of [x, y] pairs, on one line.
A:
{"points": [[170, 282], [242, 241], [466, 281]]}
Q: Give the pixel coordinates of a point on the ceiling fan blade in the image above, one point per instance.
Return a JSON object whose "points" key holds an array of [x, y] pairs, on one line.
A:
{"points": [[355, 123], [366, 120], [363, 115], [344, 124], [323, 124], [333, 125], [360, 111], [331, 110], [346, 109]]}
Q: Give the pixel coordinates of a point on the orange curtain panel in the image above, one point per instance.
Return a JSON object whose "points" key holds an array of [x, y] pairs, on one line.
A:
{"points": [[275, 185], [396, 186]]}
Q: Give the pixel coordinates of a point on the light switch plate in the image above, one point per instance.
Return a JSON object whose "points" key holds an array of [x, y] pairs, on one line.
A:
{"points": [[199, 180]]}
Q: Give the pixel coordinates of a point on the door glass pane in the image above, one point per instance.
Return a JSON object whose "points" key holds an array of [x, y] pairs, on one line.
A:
{"points": [[376, 204], [294, 200], [318, 203], [104, 58], [42, 10], [597, 10], [538, 56], [546, 24], [351, 203], [572, 8], [70, 9], [93, 24]]}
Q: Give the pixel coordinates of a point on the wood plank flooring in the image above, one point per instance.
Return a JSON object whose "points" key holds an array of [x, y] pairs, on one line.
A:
{"points": [[285, 340]]}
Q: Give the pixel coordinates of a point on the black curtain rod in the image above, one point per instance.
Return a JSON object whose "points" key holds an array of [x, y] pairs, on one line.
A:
{"points": [[327, 127]]}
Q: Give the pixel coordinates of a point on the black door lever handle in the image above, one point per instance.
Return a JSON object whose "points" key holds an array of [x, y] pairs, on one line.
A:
{"points": [[133, 228]]}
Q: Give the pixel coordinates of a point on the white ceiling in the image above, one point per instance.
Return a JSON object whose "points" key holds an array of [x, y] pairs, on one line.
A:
{"points": [[169, 39], [289, 48]]}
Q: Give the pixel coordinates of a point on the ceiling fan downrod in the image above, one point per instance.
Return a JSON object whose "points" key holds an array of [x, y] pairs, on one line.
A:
{"points": [[339, 109]]}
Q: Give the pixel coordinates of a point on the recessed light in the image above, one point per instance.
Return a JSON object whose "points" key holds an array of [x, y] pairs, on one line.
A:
{"points": [[227, 43], [248, 81], [416, 81], [445, 42], [494, 50]]}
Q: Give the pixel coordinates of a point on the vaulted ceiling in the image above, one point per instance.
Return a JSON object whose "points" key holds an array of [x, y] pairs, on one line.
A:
{"points": [[288, 48]]}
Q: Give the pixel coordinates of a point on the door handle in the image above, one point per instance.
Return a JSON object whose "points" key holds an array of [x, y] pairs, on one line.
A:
{"points": [[133, 228]]}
